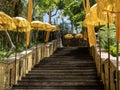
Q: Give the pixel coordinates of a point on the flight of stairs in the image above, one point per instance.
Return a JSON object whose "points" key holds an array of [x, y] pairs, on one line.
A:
{"points": [[67, 69]]}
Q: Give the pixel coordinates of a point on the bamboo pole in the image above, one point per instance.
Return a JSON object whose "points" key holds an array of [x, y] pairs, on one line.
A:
{"points": [[117, 48], [117, 63], [36, 45], [108, 34], [29, 18], [16, 56], [100, 50]]}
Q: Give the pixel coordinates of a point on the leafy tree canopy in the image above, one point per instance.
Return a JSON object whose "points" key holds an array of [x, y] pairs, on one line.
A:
{"points": [[14, 7]]}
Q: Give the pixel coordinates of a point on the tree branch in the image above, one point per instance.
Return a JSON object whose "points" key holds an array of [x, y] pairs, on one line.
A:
{"points": [[54, 13], [13, 2], [11, 44]]}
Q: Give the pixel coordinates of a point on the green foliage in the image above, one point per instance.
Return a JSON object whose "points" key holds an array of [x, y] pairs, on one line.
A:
{"points": [[92, 2], [6, 7], [75, 11], [75, 7], [104, 39], [60, 4], [78, 17], [13, 7], [41, 7], [113, 51], [2, 54]]}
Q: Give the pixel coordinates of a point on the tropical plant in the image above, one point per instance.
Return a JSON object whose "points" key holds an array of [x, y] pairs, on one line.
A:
{"points": [[104, 38]]}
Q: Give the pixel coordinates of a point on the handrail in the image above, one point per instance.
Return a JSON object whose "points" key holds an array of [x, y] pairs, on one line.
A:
{"points": [[104, 71]]}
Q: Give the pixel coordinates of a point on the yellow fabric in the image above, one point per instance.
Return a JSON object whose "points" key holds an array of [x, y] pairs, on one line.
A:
{"points": [[79, 36], [86, 5], [48, 27], [47, 36], [54, 28], [105, 6], [4, 18], [29, 18], [6, 22], [91, 35], [23, 26], [68, 36], [111, 5], [38, 25], [2, 28], [93, 19], [118, 26], [27, 38], [28, 34], [20, 22]]}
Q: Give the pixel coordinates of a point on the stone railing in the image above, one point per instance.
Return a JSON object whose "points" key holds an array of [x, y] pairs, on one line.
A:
{"points": [[14, 69], [103, 72]]}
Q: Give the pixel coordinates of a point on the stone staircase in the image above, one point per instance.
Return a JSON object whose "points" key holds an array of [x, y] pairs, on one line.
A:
{"points": [[67, 69]]}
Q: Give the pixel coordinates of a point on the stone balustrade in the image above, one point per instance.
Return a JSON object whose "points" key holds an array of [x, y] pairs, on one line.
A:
{"points": [[103, 72], [15, 68]]}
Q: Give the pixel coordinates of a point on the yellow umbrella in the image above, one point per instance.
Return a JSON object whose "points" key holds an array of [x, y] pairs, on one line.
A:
{"points": [[38, 25], [79, 36], [48, 27], [68, 36], [6, 22], [22, 24], [54, 28]]}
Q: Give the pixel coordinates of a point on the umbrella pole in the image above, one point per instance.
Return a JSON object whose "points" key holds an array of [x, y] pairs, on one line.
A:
{"points": [[108, 34], [100, 51], [16, 56], [11, 44], [117, 63], [36, 45], [117, 48], [26, 54]]}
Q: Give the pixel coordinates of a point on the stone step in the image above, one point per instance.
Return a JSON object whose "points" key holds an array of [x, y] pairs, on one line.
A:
{"points": [[62, 73], [34, 87], [59, 83], [66, 63], [62, 77], [50, 67], [67, 69]]}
